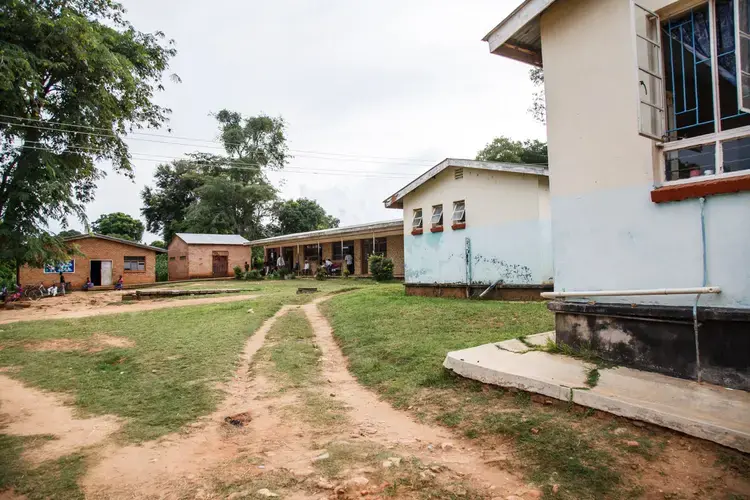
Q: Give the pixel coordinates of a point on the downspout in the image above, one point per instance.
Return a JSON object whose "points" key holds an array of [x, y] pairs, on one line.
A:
{"points": [[698, 296]]}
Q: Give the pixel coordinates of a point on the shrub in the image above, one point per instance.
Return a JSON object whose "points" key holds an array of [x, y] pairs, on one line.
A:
{"points": [[162, 267], [237, 272], [7, 274], [381, 267], [321, 274], [274, 276], [345, 273], [253, 275]]}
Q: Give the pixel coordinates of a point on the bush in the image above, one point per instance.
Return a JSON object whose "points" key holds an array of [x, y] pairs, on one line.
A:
{"points": [[237, 272], [162, 267], [381, 267], [7, 274], [345, 273], [321, 273], [274, 276], [253, 275]]}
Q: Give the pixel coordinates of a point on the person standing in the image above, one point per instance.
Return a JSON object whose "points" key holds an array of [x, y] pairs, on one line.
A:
{"points": [[247, 267], [280, 262], [62, 283], [349, 262]]}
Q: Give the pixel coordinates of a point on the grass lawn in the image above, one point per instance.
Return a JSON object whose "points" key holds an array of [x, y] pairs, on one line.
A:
{"points": [[396, 345]]}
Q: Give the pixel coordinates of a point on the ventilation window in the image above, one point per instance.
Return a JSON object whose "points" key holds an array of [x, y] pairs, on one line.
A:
{"points": [[458, 173]]}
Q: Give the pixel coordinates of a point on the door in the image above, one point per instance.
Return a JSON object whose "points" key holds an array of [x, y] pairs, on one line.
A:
{"points": [[288, 257], [366, 252], [96, 272], [106, 272], [220, 265]]}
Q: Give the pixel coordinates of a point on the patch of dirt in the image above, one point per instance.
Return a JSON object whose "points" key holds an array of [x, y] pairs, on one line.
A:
{"points": [[83, 304], [11, 495], [98, 342], [27, 411]]}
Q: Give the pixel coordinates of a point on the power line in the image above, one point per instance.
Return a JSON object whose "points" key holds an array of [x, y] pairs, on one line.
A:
{"points": [[231, 163], [164, 136], [288, 169]]}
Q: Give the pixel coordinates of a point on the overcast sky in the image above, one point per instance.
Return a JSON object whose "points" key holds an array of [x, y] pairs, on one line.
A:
{"points": [[387, 78]]}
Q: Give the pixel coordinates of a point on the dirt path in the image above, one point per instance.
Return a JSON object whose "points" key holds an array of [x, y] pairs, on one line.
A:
{"points": [[277, 442], [77, 307], [25, 411]]}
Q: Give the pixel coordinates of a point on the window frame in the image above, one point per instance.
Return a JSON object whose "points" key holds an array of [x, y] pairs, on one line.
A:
{"points": [[414, 218], [134, 258], [435, 225], [718, 136], [660, 66], [462, 220]]}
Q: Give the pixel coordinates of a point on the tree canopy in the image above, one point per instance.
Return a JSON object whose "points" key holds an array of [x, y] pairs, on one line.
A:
{"points": [[68, 233], [75, 77], [119, 225], [158, 244], [298, 216], [221, 194], [507, 150], [538, 107]]}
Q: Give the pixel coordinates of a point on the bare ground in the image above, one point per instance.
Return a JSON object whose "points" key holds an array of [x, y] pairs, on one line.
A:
{"points": [[82, 305]]}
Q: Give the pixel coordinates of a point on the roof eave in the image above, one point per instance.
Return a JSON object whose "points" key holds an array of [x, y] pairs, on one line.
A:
{"points": [[115, 240], [507, 38]]}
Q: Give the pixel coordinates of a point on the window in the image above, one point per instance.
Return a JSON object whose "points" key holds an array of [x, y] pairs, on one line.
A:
{"points": [[171, 258], [135, 263], [416, 221], [458, 173], [698, 59], [311, 252], [381, 246], [459, 212], [437, 216], [183, 257], [340, 250]]}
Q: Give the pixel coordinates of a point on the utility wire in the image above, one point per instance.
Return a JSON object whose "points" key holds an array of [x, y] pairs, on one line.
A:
{"points": [[230, 162], [287, 169], [165, 136]]}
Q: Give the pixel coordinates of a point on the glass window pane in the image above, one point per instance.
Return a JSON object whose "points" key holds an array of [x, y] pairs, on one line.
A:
{"points": [[690, 162], [736, 154]]}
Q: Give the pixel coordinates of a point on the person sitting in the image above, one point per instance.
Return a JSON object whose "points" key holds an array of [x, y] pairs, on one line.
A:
{"points": [[118, 285], [328, 265], [89, 285], [52, 290]]}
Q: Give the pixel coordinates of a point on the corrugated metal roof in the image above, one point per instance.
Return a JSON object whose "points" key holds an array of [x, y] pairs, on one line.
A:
{"points": [[211, 239], [396, 199], [336, 231], [116, 240]]}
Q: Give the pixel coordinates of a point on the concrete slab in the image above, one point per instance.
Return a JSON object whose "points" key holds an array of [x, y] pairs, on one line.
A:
{"points": [[529, 343], [701, 410]]}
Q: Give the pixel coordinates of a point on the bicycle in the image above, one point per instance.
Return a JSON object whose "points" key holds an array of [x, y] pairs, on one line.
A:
{"points": [[37, 291]]}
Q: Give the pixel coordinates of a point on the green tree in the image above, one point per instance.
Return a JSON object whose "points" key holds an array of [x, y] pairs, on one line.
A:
{"points": [[158, 244], [75, 77], [165, 205], [119, 225], [507, 150], [298, 216], [538, 107], [221, 194], [68, 233]]}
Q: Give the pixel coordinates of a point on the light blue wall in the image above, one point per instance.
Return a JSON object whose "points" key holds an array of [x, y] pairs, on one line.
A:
{"points": [[516, 252], [619, 239]]}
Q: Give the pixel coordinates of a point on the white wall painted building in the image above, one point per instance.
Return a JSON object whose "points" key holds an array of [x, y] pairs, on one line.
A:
{"points": [[505, 218], [633, 93]]}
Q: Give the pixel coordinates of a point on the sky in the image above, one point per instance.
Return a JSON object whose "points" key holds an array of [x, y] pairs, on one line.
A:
{"points": [[373, 93]]}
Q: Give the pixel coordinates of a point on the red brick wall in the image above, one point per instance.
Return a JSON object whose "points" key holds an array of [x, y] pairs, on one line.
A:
{"points": [[97, 249], [178, 259], [395, 251], [200, 259]]}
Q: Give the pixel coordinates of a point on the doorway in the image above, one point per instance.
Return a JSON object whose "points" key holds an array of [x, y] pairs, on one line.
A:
{"points": [[366, 252], [288, 254], [220, 266], [100, 272]]}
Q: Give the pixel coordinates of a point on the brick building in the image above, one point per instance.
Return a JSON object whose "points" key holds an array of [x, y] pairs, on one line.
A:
{"points": [[360, 241], [103, 259], [193, 255]]}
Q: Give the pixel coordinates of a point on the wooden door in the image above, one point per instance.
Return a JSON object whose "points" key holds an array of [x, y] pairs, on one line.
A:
{"points": [[106, 272], [220, 265]]}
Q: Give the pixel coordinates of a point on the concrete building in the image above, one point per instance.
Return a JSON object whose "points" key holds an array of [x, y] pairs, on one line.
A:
{"points": [[359, 241], [194, 255], [648, 136], [103, 259], [469, 224]]}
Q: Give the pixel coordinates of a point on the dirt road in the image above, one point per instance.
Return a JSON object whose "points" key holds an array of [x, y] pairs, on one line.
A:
{"points": [[82, 305]]}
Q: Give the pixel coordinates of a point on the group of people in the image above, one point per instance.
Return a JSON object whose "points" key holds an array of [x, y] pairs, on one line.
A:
{"points": [[275, 263]]}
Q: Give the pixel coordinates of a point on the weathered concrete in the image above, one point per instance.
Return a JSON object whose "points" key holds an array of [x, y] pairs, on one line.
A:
{"points": [[462, 291], [701, 410], [159, 294]]}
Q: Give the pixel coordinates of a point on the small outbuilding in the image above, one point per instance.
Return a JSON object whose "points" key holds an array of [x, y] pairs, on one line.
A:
{"points": [[194, 255], [101, 258], [470, 224]]}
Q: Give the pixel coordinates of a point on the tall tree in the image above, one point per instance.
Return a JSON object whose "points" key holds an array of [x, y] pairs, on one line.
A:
{"points": [[507, 150], [68, 233], [298, 216], [119, 225], [538, 107], [158, 244], [75, 77], [166, 204], [226, 194]]}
